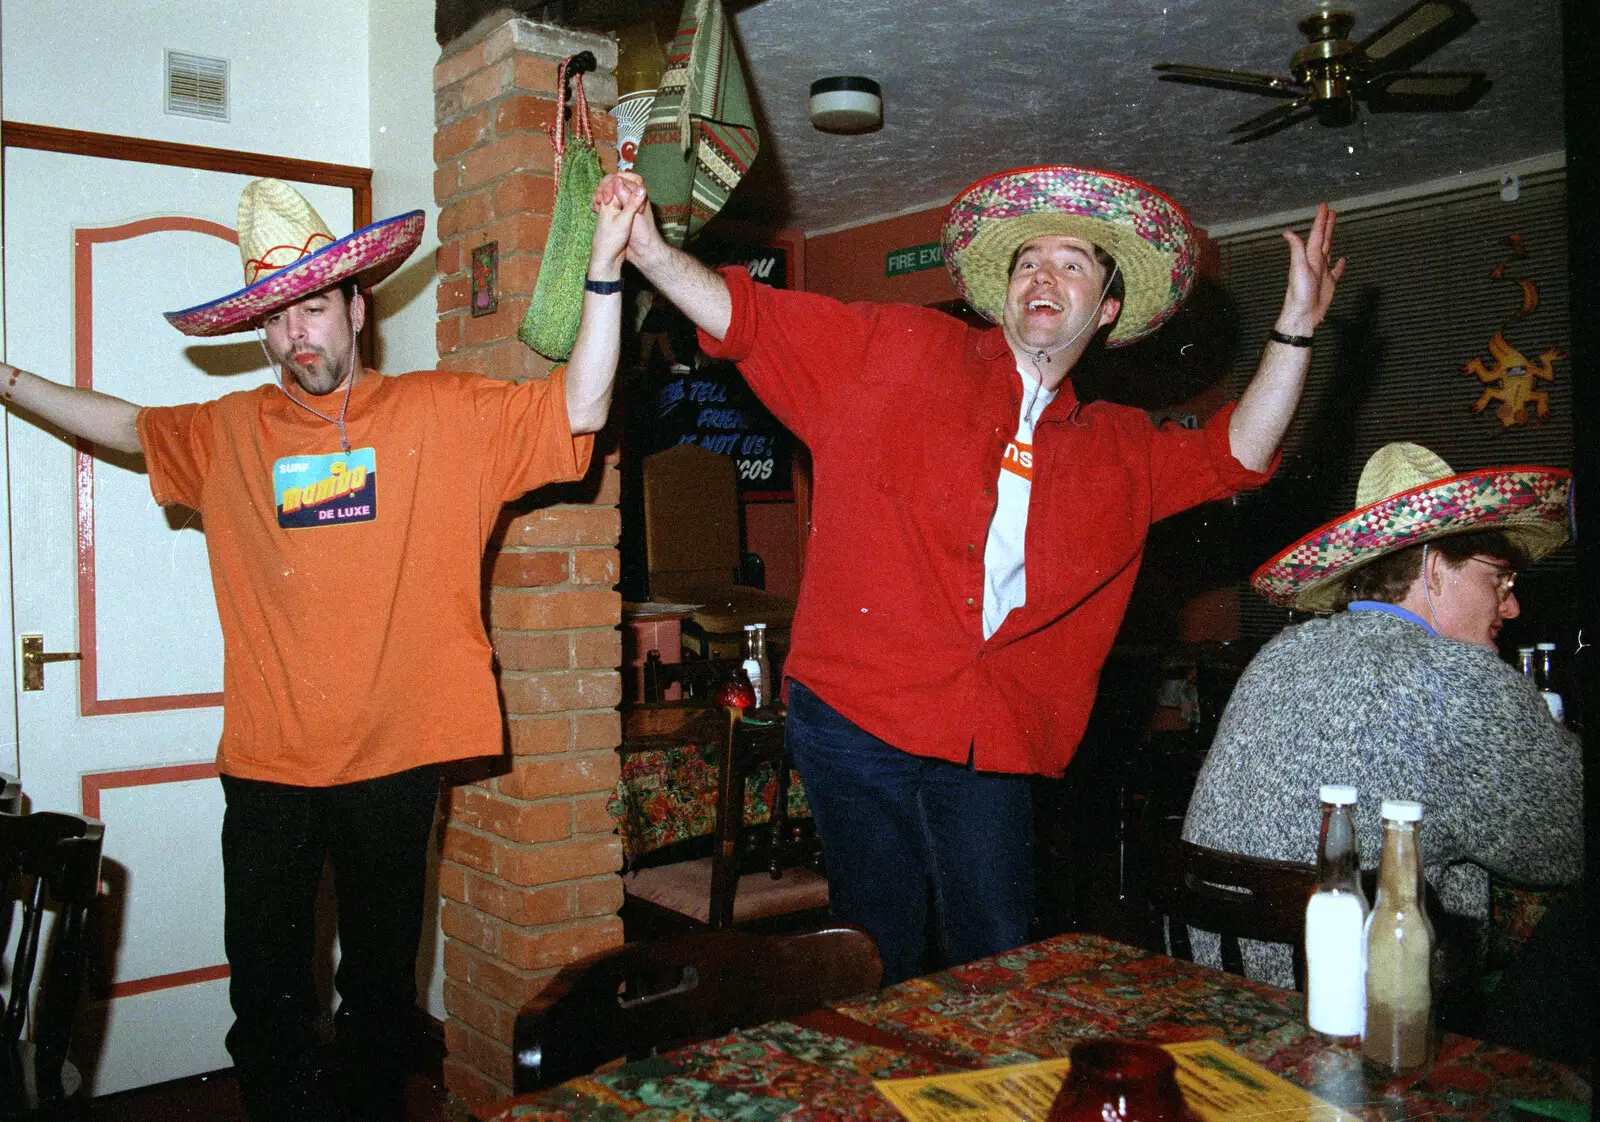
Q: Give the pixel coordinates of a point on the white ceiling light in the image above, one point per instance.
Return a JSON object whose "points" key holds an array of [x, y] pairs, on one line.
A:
{"points": [[846, 104]]}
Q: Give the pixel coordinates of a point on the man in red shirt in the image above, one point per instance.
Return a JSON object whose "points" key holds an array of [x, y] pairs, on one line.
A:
{"points": [[976, 528]]}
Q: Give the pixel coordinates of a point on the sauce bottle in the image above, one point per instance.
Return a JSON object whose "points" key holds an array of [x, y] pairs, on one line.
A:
{"points": [[1399, 1031], [1336, 914]]}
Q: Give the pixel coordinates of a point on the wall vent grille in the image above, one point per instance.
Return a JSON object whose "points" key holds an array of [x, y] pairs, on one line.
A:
{"points": [[197, 86]]}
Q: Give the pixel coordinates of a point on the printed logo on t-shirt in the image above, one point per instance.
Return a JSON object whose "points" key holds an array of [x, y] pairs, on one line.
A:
{"points": [[1018, 460], [326, 490]]}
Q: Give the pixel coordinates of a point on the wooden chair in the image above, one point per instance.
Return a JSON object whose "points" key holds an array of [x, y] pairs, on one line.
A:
{"points": [[648, 997], [54, 856], [691, 516], [1236, 896], [723, 890]]}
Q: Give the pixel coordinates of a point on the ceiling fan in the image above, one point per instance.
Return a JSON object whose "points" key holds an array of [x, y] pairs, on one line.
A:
{"points": [[1332, 73]]}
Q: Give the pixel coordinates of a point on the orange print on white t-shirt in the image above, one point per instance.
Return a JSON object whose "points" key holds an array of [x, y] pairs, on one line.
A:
{"points": [[1018, 460]]}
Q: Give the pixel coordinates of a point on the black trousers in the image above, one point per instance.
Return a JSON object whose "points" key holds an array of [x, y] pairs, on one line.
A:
{"points": [[276, 840]]}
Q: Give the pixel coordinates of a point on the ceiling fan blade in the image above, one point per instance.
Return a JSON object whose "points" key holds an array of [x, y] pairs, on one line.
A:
{"points": [[1243, 81], [1416, 33], [1412, 90], [1276, 119]]}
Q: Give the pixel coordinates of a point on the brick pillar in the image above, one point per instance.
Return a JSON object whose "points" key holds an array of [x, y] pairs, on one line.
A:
{"points": [[529, 869]]}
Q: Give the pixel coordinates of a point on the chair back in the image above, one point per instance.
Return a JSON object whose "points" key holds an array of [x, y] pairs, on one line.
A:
{"points": [[53, 857], [647, 997], [1238, 897], [691, 517]]}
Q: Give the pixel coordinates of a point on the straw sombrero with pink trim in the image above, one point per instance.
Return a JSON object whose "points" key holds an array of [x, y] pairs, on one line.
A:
{"points": [[1146, 233], [289, 253], [1407, 496]]}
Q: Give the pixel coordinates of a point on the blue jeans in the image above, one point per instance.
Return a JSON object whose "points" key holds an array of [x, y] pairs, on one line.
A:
{"points": [[901, 832], [276, 840]]}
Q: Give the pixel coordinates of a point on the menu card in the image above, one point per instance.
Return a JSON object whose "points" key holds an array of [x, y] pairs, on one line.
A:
{"points": [[1217, 1084]]}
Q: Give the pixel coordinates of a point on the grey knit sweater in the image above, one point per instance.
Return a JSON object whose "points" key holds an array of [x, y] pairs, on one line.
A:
{"points": [[1374, 700]]}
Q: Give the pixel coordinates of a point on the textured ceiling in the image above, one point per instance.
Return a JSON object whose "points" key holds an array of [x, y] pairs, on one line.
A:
{"points": [[975, 86]]}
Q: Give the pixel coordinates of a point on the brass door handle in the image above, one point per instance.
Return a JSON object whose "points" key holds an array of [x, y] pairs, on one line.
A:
{"points": [[34, 656]]}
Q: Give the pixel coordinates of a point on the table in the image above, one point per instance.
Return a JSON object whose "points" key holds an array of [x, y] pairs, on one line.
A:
{"points": [[1028, 1004]]}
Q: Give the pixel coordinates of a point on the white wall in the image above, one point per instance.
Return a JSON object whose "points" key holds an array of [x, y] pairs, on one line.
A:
{"points": [[403, 52], [297, 71]]}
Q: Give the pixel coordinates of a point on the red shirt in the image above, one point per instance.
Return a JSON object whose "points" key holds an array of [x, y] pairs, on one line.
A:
{"points": [[907, 412]]}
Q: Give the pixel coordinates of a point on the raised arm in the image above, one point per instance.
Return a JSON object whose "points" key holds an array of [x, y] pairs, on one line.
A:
{"points": [[107, 421], [1258, 424], [696, 290], [592, 366]]}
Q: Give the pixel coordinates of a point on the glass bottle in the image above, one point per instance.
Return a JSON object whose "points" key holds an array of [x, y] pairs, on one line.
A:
{"points": [[756, 666], [1336, 995], [1525, 664], [1544, 676], [1126, 1080], [1399, 1032]]}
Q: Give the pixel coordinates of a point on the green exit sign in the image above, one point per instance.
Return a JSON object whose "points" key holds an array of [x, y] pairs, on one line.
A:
{"points": [[913, 259]]}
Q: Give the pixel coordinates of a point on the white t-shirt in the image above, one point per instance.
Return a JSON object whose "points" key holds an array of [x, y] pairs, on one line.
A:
{"points": [[1005, 583]]}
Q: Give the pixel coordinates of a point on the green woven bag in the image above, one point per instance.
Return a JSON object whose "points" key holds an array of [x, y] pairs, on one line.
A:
{"points": [[551, 323]]}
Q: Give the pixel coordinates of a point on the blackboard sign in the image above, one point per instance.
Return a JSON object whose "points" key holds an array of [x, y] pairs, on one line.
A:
{"points": [[702, 401]]}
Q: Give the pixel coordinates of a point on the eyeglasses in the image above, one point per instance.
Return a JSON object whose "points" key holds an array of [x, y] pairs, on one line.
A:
{"points": [[1505, 577]]}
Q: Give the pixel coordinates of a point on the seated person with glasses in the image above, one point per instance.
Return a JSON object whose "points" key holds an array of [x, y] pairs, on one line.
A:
{"points": [[1402, 694]]}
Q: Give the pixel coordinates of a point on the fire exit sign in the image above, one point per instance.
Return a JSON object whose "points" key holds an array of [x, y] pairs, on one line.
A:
{"points": [[913, 259]]}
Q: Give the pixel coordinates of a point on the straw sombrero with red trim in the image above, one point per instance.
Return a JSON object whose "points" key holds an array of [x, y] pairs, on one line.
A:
{"points": [[289, 253], [1146, 233], [1407, 496]]}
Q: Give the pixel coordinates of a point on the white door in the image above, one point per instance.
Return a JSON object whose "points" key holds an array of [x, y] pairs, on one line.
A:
{"points": [[95, 250]]}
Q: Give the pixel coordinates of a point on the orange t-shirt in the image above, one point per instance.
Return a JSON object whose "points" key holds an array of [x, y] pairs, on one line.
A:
{"points": [[349, 585]]}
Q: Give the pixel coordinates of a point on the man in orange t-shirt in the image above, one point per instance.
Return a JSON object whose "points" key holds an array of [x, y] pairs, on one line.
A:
{"points": [[346, 516]]}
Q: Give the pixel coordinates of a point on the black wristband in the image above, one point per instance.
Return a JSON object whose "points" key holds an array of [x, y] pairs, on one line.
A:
{"points": [[1288, 340], [602, 288]]}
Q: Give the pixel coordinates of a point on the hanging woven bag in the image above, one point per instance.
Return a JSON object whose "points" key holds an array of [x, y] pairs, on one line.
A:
{"points": [[551, 323]]}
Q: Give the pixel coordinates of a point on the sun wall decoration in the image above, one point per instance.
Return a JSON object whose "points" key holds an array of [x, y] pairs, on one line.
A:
{"points": [[1512, 378]]}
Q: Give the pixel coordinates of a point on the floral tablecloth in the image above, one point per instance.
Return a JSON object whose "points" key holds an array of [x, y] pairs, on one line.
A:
{"points": [[1031, 1004]]}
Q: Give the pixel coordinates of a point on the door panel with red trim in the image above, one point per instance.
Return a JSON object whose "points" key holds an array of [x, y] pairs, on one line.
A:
{"points": [[95, 250]]}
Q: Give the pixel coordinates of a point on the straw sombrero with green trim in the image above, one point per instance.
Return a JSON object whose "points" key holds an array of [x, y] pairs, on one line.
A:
{"points": [[1147, 234], [1407, 496], [289, 253]]}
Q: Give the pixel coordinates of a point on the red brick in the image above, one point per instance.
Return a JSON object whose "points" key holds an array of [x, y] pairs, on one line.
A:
{"points": [[455, 138], [526, 650], [475, 1089], [521, 151], [597, 650], [544, 777], [485, 85], [541, 736], [564, 945], [522, 906], [595, 566], [457, 960], [572, 525], [529, 568], [599, 897], [447, 334], [514, 987], [469, 926], [560, 861], [452, 881], [525, 111], [465, 362], [604, 128], [515, 819], [555, 693], [520, 233], [447, 106], [452, 294], [469, 212], [554, 611], [608, 158], [594, 731], [530, 73], [477, 1011], [467, 848], [522, 191], [491, 1057], [519, 272], [447, 182], [501, 324], [590, 815], [447, 259], [609, 493], [452, 68], [515, 361]]}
